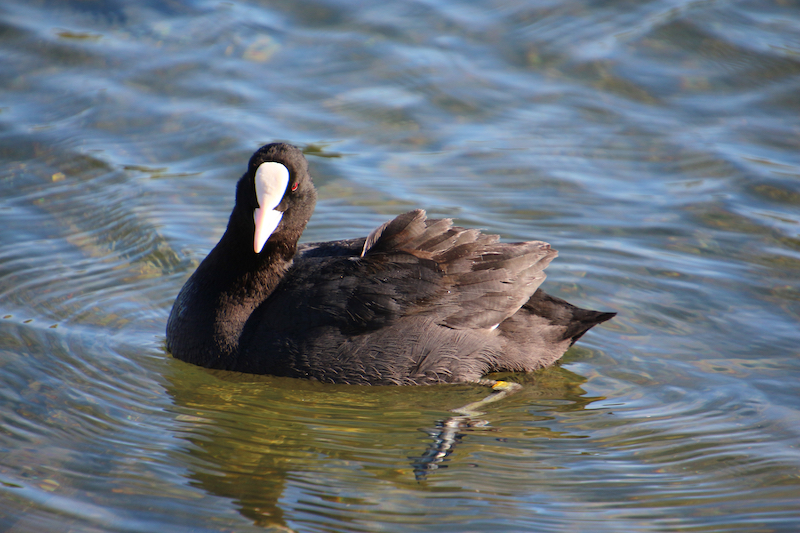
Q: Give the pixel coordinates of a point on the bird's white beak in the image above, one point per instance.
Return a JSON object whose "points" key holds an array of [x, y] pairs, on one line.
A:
{"points": [[271, 181]]}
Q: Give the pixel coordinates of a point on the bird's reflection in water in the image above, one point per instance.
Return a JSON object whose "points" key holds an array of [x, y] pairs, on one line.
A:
{"points": [[247, 437]]}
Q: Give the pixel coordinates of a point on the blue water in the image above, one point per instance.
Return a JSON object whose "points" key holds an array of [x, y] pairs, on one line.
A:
{"points": [[656, 145]]}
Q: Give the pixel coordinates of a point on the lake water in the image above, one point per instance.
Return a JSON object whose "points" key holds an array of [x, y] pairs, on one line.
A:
{"points": [[655, 144]]}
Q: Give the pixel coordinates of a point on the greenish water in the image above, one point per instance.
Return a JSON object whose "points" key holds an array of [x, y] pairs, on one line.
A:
{"points": [[656, 145]]}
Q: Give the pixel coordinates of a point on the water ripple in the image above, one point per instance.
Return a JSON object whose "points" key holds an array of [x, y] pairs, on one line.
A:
{"points": [[655, 146]]}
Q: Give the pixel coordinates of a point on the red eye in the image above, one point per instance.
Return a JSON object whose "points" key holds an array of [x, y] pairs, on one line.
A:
{"points": [[294, 187]]}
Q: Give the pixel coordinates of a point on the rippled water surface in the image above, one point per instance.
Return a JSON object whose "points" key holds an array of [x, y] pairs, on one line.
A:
{"points": [[655, 144]]}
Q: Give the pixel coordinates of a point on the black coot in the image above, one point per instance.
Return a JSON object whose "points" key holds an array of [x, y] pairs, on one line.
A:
{"points": [[418, 301]]}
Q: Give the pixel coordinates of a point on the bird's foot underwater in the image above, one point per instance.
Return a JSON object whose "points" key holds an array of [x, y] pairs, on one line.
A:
{"points": [[500, 389], [448, 433]]}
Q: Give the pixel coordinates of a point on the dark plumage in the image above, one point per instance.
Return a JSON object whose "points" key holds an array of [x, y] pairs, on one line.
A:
{"points": [[417, 301]]}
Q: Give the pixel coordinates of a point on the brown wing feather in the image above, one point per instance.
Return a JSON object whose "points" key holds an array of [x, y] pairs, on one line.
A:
{"points": [[483, 281]]}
